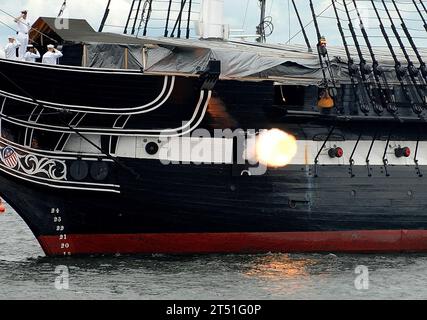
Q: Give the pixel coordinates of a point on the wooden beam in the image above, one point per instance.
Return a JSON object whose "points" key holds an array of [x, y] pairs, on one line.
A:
{"points": [[84, 62], [126, 58]]}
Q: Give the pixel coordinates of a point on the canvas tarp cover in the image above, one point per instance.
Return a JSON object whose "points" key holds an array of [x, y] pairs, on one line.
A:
{"points": [[235, 63], [113, 56], [287, 64], [237, 60], [171, 57], [291, 64], [283, 63]]}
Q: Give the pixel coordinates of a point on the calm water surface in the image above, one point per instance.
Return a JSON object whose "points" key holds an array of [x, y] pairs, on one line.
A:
{"points": [[26, 274]]}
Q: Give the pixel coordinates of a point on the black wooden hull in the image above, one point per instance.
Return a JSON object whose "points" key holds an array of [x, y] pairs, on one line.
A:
{"points": [[79, 200], [200, 210]]}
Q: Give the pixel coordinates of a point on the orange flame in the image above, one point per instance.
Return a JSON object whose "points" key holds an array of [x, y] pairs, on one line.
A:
{"points": [[276, 148]]}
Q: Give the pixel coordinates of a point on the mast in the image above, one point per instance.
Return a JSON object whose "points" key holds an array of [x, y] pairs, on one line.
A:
{"points": [[261, 27], [364, 69], [386, 98], [211, 23]]}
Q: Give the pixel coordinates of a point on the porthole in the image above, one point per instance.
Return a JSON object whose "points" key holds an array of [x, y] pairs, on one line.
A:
{"points": [[79, 170], [152, 148], [99, 171]]}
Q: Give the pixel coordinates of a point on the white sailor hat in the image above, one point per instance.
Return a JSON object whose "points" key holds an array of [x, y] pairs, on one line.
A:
{"points": [[30, 46], [50, 46], [11, 37], [24, 11]]}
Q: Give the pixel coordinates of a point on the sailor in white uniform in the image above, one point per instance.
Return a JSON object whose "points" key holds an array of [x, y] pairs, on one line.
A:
{"points": [[32, 54], [24, 28], [10, 48], [52, 56]]}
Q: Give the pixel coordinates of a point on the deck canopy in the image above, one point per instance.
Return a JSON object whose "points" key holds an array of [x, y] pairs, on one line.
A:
{"points": [[291, 64], [83, 46]]}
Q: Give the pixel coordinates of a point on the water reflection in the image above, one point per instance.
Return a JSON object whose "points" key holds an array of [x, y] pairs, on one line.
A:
{"points": [[279, 266], [26, 275]]}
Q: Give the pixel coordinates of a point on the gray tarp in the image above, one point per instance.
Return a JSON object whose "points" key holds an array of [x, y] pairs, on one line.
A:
{"points": [[290, 64], [239, 60], [113, 56]]}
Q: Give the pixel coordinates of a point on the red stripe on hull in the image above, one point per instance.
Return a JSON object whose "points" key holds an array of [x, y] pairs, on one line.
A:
{"points": [[192, 243]]}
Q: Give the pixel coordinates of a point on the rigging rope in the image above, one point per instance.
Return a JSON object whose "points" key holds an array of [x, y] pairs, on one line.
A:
{"points": [[76, 131], [63, 7], [31, 28], [246, 15], [308, 24], [6, 25]]}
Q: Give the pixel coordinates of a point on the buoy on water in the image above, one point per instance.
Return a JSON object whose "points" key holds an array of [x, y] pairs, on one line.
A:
{"points": [[2, 207]]}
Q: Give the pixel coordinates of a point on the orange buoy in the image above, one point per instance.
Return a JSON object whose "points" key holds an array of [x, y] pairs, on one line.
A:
{"points": [[325, 101], [2, 207]]}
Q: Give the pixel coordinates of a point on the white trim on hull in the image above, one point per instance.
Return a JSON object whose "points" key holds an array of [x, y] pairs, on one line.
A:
{"points": [[97, 110], [187, 128]]}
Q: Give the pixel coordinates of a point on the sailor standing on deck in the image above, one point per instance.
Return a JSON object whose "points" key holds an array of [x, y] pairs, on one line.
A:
{"points": [[10, 48], [52, 56], [24, 28], [32, 54]]}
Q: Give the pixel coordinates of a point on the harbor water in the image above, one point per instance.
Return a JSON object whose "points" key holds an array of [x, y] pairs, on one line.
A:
{"points": [[26, 274]]}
